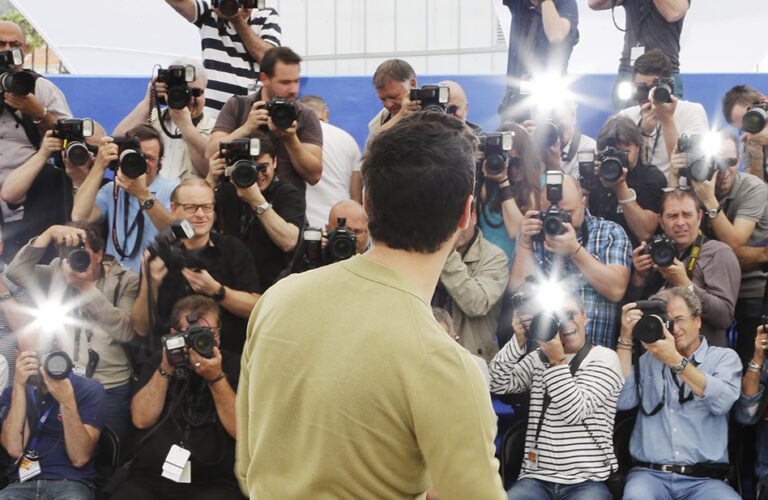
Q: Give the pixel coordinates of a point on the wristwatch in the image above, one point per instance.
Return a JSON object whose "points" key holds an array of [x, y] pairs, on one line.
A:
{"points": [[260, 209], [148, 203], [712, 212], [6, 296], [219, 295], [680, 366]]}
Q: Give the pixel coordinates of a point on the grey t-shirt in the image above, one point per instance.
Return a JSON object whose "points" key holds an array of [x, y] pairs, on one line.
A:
{"points": [[646, 25], [748, 200]]}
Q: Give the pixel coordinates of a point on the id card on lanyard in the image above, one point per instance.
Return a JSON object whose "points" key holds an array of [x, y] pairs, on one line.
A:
{"points": [[30, 466]]}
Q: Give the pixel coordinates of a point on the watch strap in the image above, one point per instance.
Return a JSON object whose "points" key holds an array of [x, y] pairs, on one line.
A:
{"points": [[680, 366], [219, 295], [148, 203], [713, 212], [260, 209], [6, 296]]}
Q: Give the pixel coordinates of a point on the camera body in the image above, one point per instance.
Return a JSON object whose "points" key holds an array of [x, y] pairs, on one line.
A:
{"points": [[197, 337], [73, 132], [17, 82], [587, 177], [662, 94], [494, 146], [650, 327], [342, 243], [78, 257], [131, 161], [548, 130], [553, 218], [282, 111], [756, 117], [239, 155], [700, 167], [168, 246], [57, 365], [176, 77], [230, 7], [432, 97], [613, 161], [662, 249]]}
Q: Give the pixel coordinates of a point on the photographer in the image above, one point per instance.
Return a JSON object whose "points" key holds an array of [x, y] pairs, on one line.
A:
{"points": [[574, 387], [393, 80], [299, 144], [186, 399], [735, 105], [356, 221], [706, 267], [623, 188], [661, 123], [458, 105], [98, 295], [44, 189], [592, 254], [24, 119], [572, 140], [216, 265], [35, 420], [273, 211], [233, 46], [684, 388], [184, 154], [650, 25], [135, 209]]}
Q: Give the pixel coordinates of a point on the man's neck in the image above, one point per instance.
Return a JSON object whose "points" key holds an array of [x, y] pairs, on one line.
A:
{"points": [[692, 348], [197, 241]]}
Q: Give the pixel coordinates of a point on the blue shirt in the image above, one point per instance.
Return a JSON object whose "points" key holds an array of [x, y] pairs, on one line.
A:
{"points": [[750, 411], [161, 189], [686, 433], [609, 244], [89, 397], [494, 230]]}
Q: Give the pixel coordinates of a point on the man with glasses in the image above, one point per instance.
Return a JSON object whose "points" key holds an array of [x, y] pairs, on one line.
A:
{"points": [[266, 216], [707, 267], [684, 388], [135, 209], [220, 267]]}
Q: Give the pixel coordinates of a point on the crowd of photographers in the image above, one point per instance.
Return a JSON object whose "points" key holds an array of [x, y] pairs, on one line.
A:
{"points": [[626, 271]]}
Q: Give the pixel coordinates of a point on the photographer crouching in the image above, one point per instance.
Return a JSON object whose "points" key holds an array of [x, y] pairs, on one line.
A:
{"points": [[185, 407]]}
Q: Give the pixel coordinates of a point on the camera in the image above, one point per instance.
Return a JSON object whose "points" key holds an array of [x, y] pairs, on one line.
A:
{"points": [[197, 337], [700, 167], [755, 118], [131, 159], [613, 161], [432, 97], [17, 82], [73, 132], [662, 94], [495, 146], [78, 257], [650, 327], [662, 249], [167, 244], [342, 243], [57, 365], [282, 111], [547, 132], [587, 177], [239, 154], [176, 77], [553, 218], [230, 7]]}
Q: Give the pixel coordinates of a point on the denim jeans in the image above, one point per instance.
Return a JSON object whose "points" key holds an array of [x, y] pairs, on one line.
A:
{"points": [[47, 489], [118, 409], [644, 483], [529, 488]]}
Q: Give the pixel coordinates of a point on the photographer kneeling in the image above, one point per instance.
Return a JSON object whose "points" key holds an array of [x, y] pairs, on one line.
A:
{"points": [[684, 388], [186, 409]]}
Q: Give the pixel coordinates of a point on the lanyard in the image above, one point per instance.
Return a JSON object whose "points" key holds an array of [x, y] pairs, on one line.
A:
{"points": [[695, 251], [138, 221], [41, 422]]}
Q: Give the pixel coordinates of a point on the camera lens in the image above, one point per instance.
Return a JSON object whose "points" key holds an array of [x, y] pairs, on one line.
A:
{"points": [[132, 163], [79, 259], [754, 120], [57, 365], [662, 94], [283, 114], [244, 174], [649, 328], [553, 226], [547, 133], [77, 153], [494, 164], [178, 97], [698, 170], [544, 327], [229, 7], [17, 82], [663, 255], [204, 343], [610, 170], [343, 248]]}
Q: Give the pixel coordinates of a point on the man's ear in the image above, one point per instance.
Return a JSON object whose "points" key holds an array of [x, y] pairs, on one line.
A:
{"points": [[466, 215]]}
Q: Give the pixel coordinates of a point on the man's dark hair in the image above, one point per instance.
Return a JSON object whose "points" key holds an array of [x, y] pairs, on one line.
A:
{"points": [[740, 94], [653, 62], [418, 175], [193, 304], [392, 69], [619, 129], [146, 133], [678, 194], [92, 236], [283, 54]]}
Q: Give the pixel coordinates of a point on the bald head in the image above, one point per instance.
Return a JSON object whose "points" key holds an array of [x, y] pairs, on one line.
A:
{"points": [[573, 200], [458, 99], [356, 221], [12, 37]]}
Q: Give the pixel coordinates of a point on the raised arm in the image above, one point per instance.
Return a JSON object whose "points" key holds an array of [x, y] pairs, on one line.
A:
{"points": [[14, 188], [555, 27], [186, 8], [672, 10], [84, 206]]}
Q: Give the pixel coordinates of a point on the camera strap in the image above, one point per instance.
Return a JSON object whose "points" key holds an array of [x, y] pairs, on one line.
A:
{"points": [[636, 365], [649, 154], [138, 224], [35, 432], [573, 148], [682, 398], [695, 251], [25, 121]]}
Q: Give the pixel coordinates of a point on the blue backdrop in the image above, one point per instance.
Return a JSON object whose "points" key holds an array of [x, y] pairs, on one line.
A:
{"points": [[353, 102]]}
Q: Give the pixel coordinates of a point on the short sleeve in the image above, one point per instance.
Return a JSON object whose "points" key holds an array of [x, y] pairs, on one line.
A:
{"points": [[290, 205], [91, 405], [225, 122], [752, 201], [104, 200], [202, 11], [309, 129], [266, 24], [52, 98]]}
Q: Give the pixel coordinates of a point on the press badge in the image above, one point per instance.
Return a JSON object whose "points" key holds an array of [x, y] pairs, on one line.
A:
{"points": [[634, 53], [28, 469], [532, 459], [177, 466], [78, 370]]}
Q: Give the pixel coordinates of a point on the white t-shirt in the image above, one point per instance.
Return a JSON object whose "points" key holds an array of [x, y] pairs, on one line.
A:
{"points": [[341, 157], [689, 117], [177, 162], [571, 167]]}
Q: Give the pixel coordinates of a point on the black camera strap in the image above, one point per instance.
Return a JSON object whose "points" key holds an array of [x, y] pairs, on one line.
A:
{"points": [[573, 148], [636, 365], [682, 398], [138, 224]]}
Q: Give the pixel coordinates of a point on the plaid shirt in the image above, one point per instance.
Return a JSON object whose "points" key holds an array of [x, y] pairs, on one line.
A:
{"points": [[609, 244]]}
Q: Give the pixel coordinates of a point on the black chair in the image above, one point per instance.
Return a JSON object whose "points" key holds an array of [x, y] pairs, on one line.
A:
{"points": [[107, 458], [511, 452]]}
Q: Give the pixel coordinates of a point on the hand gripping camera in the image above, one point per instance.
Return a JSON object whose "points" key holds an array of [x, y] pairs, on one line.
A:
{"points": [[282, 111], [57, 365], [177, 77], [661, 95], [230, 7], [495, 146], [78, 257], [650, 327], [168, 245], [131, 161], [432, 97], [239, 154], [755, 118], [73, 132], [662, 249], [700, 166], [553, 218], [613, 161], [17, 82], [197, 337]]}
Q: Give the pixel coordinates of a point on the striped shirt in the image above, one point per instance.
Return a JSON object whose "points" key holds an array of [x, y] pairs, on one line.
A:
{"points": [[576, 439], [230, 68]]}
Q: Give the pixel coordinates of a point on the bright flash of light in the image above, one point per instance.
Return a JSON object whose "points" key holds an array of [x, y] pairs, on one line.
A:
{"points": [[711, 143], [51, 317], [550, 296], [625, 90], [547, 92]]}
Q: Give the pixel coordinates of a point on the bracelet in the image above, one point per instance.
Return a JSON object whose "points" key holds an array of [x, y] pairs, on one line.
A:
{"points": [[621, 341], [163, 373], [625, 347], [45, 113], [211, 382], [630, 199], [577, 251], [753, 367], [506, 193]]}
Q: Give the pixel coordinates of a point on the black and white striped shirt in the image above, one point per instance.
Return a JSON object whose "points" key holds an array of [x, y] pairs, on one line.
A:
{"points": [[576, 439], [230, 68]]}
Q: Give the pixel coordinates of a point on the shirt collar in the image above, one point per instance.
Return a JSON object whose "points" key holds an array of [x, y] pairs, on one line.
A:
{"points": [[701, 353]]}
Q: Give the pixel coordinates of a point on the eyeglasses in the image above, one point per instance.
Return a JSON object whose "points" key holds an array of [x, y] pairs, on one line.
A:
{"points": [[673, 188], [14, 44], [515, 161], [729, 162], [191, 208]]}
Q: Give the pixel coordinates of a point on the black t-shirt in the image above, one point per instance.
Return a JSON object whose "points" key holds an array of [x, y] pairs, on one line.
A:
{"points": [[213, 450], [236, 218], [647, 181], [646, 25], [230, 263]]}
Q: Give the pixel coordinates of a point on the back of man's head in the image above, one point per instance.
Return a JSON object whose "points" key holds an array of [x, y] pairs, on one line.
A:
{"points": [[418, 176], [740, 94], [92, 234], [317, 104], [193, 304], [283, 54], [393, 69], [653, 63], [619, 129]]}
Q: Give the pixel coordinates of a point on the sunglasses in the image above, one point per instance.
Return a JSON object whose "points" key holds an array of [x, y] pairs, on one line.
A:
{"points": [[671, 189]]}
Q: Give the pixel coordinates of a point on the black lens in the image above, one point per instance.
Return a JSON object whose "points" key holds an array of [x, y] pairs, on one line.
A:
{"points": [[662, 94], [343, 248], [18, 82], [434, 108], [553, 226], [698, 170], [283, 114], [649, 328], [203, 343], [610, 170], [178, 97], [547, 133], [754, 120], [244, 174], [663, 255], [57, 365], [494, 164], [79, 259], [132, 163], [544, 327], [229, 7], [77, 153]]}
